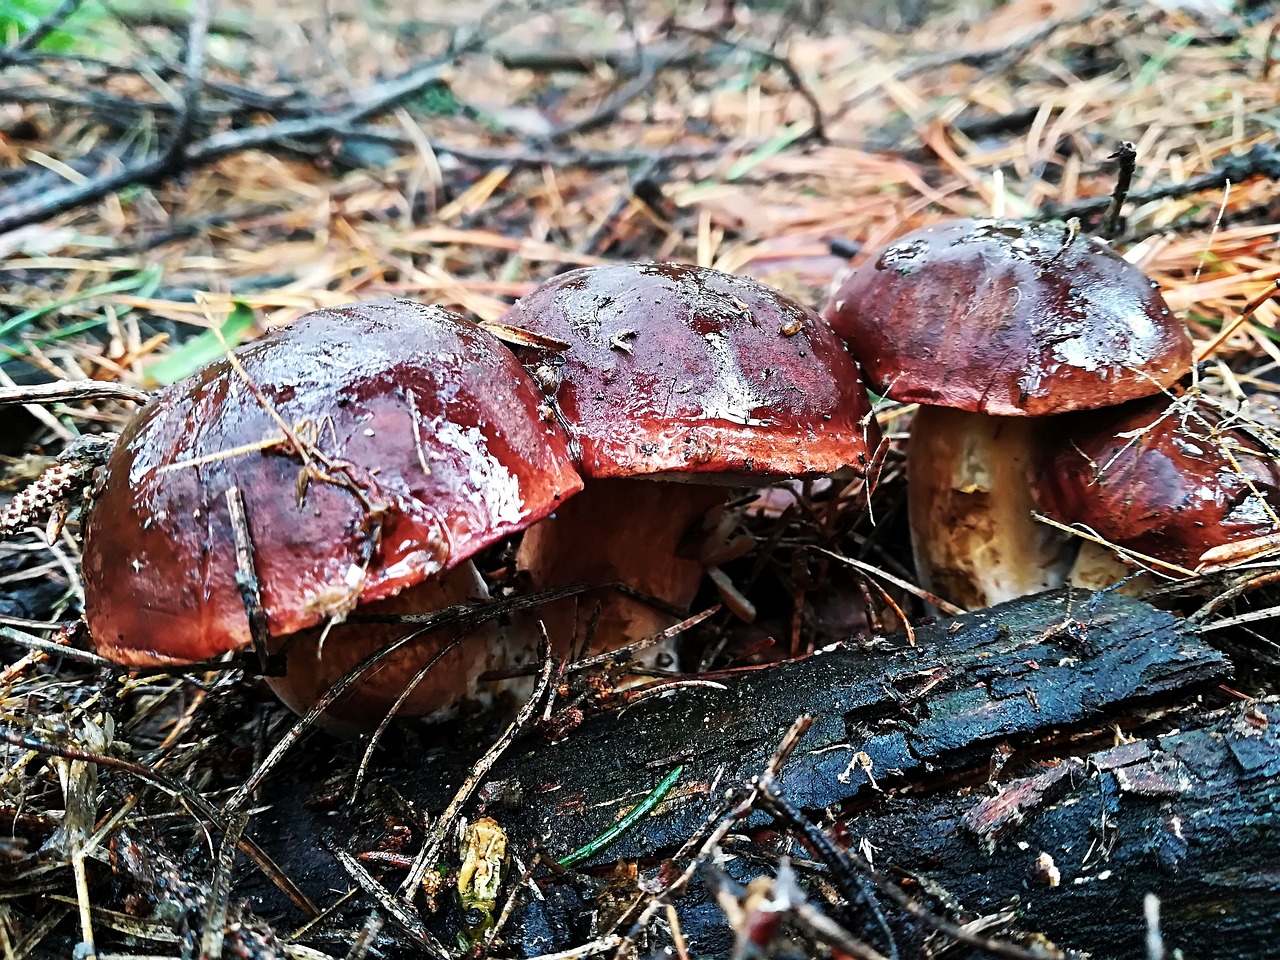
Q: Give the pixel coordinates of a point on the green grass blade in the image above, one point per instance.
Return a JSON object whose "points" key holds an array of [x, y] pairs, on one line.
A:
{"points": [[143, 279], [626, 823], [1153, 67], [776, 144], [202, 349], [41, 340]]}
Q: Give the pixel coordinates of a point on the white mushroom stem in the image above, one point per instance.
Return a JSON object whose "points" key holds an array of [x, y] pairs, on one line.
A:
{"points": [[1098, 568], [315, 661], [969, 496], [627, 530]]}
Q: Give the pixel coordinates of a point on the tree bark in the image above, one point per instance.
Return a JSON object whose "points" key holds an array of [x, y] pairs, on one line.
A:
{"points": [[1192, 817], [887, 711], [886, 714]]}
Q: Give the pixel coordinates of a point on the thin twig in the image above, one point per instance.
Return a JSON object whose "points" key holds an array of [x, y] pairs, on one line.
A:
{"points": [[37, 34], [390, 715], [1252, 307], [247, 577], [783, 899], [631, 649], [614, 105], [1262, 160], [1251, 616], [70, 391], [309, 719], [460, 615], [473, 613], [215, 924], [710, 835], [818, 131], [376, 100], [403, 917], [562, 59], [175, 788], [1269, 58], [1126, 156], [852, 886], [786, 811], [444, 824], [54, 648], [604, 230], [992, 61], [197, 38], [950, 609], [523, 158]]}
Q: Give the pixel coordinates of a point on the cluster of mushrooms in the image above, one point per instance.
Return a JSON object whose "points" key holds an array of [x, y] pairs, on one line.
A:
{"points": [[359, 459]]}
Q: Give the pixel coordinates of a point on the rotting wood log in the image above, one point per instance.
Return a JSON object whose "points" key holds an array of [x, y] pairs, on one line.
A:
{"points": [[884, 712], [1192, 817], [1072, 852]]}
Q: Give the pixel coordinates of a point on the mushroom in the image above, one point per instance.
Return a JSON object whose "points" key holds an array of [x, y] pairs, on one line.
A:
{"points": [[992, 326], [1169, 479], [678, 382], [377, 448]]}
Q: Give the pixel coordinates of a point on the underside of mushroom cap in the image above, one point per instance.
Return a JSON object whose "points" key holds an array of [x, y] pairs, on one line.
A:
{"points": [[1161, 477], [374, 446], [679, 370], [1008, 317]]}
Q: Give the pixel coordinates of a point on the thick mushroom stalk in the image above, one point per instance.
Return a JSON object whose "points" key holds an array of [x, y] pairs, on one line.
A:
{"points": [[996, 320], [376, 448], [975, 540], [672, 372], [453, 658], [1097, 568], [625, 530]]}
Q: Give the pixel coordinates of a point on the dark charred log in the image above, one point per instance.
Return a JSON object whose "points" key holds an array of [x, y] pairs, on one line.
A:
{"points": [[1192, 817], [887, 716]]}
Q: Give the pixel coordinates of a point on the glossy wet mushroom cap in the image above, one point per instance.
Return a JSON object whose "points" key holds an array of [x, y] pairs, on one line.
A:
{"points": [[988, 325], [677, 369], [677, 373], [1010, 318], [1165, 478], [411, 422]]}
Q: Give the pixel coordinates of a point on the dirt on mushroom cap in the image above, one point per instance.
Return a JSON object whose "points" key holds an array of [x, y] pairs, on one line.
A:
{"points": [[680, 369], [420, 417], [1010, 318]]}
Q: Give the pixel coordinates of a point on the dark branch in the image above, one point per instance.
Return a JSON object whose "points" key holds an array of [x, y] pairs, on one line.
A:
{"points": [[1261, 161], [1126, 158], [197, 37], [34, 37]]}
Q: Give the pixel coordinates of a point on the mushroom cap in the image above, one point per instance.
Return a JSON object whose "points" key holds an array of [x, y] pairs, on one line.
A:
{"points": [[680, 370], [1010, 318], [419, 415], [1155, 476]]}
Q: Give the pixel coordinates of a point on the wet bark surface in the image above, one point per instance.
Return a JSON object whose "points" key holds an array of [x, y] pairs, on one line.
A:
{"points": [[1015, 670], [887, 715], [1193, 817]]}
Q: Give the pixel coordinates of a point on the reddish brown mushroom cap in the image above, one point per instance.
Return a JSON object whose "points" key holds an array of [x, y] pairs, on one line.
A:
{"points": [[434, 422], [680, 369], [1153, 476], [1008, 318]]}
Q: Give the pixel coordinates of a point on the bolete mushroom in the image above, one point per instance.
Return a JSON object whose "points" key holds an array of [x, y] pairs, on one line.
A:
{"points": [[376, 448], [1167, 478], [993, 326], [678, 382]]}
